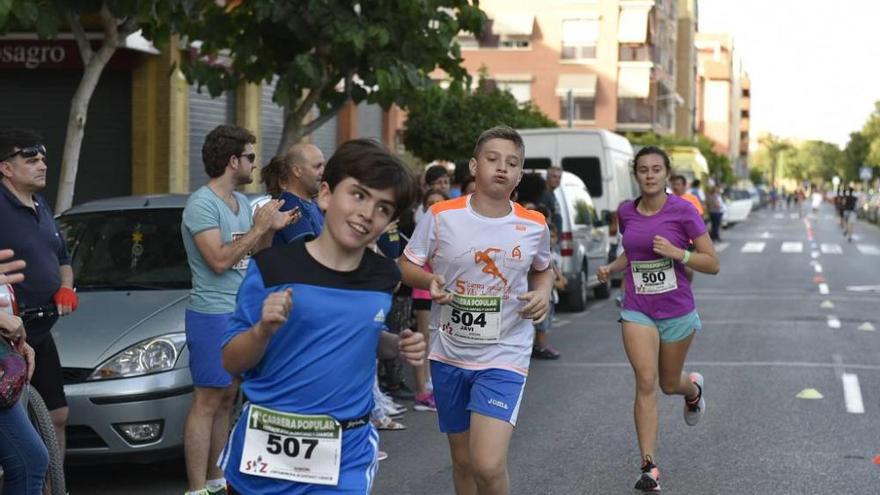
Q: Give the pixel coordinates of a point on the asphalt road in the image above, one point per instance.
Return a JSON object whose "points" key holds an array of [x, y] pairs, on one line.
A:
{"points": [[770, 333]]}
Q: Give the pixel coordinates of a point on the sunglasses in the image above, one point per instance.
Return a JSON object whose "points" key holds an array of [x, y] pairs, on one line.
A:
{"points": [[250, 156], [29, 152]]}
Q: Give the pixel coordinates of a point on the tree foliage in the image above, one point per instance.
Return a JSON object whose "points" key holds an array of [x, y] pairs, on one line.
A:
{"points": [[324, 53], [444, 123]]}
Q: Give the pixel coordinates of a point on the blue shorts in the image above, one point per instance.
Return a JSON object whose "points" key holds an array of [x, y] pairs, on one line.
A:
{"points": [[204, 335], [357, 469], [671, 329], [495, 393]]}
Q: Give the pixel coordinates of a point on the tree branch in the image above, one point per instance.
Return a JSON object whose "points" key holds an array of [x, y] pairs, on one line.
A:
{"points": [[79, 34], [322, 119]]}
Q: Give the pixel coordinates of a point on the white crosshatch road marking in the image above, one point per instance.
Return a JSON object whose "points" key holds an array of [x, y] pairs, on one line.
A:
{"points": [[721, 246], [779, 215], [753, 247], [828, 248], [792, 247], [869, 249]]}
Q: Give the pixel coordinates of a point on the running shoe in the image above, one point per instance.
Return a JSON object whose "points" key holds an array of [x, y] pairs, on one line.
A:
{"points": [[545, 352], [388, 405], [425, 402], [382, 455], [649, 480], [219, 491], [695, 408]]}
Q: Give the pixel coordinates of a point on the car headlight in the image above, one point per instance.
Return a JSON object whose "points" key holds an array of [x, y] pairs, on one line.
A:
{"points": [[149, 356]]}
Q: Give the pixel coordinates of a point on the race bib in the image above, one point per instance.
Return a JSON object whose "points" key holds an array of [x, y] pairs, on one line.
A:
{"points": [[654, 277], [293, 447], [472, 319], [243, 263]]}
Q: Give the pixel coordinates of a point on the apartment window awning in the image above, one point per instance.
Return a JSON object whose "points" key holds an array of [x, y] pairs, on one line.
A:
{"points": [[633, 23], [513, 24], [634, 82], [580, 32], [581, 85]]}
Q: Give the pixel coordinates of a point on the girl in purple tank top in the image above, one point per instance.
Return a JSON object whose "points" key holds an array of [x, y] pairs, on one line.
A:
{"points": [[658, 317]]}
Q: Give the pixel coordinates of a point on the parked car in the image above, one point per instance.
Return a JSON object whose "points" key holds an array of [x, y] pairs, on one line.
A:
{"points": [[583, 240], [123, 351], [738, 204]]}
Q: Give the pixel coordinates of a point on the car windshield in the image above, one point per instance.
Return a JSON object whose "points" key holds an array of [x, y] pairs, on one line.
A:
{"points": [[127, 249]]}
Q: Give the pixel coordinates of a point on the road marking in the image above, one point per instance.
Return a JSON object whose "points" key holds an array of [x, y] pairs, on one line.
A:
{"points": [[721, 364], [793, 215], [818, 268], [810, 394], [721, 246], [815, 254], [828, 248], [852, 394], [823, 289], [826, 304], [792, 247], [833, 322], [867, 327], [863, 288], [869, 249], [753, 247], [779, 216], [766, 235]]}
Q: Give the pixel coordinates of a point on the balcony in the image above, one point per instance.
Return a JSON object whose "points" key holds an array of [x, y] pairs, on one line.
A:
{"points": [[635, 111], [635, 53]]}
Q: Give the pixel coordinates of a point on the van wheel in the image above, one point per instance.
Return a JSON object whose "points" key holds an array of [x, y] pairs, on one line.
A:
{"points": [[576, 297], [602, 291]]}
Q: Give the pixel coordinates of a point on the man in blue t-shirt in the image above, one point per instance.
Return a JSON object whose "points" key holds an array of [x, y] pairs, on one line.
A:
{"points": [[294, 178], [218, 235], [308, 322]]}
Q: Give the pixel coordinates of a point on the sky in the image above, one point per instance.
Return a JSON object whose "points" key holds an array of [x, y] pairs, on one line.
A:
{"points": [[814, 64]]}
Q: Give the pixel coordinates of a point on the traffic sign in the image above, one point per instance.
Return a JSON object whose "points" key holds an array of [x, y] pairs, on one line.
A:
{"points": [[865, 173]]}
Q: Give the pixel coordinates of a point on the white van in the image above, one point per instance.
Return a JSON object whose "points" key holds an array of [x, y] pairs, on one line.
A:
{"points": [[601, 158]]}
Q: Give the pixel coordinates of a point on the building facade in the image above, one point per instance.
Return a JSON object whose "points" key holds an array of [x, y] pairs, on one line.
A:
{"points": [[597, 63], [686, 68]]}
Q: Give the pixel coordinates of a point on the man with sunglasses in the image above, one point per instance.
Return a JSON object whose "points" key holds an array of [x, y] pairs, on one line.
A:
{"points": [[219, 235], [29, 229]]}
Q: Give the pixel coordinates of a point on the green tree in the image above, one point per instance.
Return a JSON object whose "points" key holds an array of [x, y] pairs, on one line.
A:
{"points": [[855, 155], [774, 147], [444, 124], [719, 165], [871, 132], [324, 53], [116, 18], [816, 161]]}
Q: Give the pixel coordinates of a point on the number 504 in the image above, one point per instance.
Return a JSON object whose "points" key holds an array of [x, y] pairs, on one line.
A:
{"points": [[467, 319], [290, 446]]}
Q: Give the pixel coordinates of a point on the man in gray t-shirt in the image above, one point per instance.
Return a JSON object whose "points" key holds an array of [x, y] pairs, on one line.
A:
{"points": [[219, 235]]}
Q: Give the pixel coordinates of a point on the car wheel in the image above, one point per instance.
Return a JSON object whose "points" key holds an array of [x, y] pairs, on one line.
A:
{"points": [[576, 297]]}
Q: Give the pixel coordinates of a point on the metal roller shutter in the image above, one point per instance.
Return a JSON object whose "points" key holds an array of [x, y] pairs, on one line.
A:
{"points": [[271, 123], [40, 100], [369, 121], [205, 113]]}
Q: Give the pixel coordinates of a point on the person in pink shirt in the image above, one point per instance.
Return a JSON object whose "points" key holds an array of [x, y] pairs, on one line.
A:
{"points": [[659, 317]]}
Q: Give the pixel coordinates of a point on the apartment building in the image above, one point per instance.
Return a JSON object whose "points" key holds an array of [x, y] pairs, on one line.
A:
{"points": [[597, 63], [720, 88], [686, 68]]}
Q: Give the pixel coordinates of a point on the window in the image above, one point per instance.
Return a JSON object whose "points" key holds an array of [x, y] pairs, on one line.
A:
{"points": [[579, 37], [635, 53], [127, 249], [634, 111], [536, 163], [515, 42], [589, 169], [520, 90], [584, 109], [580, 207]]}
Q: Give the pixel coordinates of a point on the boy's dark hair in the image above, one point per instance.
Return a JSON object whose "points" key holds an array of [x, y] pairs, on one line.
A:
{"points": [[370, 163], [500, 132], [274, 174], [435, 172], [18, 138], [678, 177], [223, 142], [652, 150]]}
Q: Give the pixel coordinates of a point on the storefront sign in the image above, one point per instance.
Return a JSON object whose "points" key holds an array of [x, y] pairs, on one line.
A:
{"points": [[52, 54]]}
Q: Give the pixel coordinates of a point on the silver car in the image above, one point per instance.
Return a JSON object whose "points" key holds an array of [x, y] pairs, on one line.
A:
{"points": [[583, 241], [123, 351]]}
